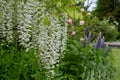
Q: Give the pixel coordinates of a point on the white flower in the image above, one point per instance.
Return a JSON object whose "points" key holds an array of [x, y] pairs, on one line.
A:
{"points": [[82, 40], [88, 14], [82, 22], [82, 10], [51, 38], [6, 21], [73, 33], [24, 19]]}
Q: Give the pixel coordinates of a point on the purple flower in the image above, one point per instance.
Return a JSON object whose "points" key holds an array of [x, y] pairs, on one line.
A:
{"points": [[107, 51], [89, 37], [84, 45], [87, 31], [102, 43], [98, 41]]}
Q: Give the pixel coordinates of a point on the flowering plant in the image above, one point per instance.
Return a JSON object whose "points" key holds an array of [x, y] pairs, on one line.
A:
{"points": [[35, 24], [85, 60]]}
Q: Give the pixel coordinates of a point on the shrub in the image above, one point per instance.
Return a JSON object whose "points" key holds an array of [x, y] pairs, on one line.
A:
{"points": [[86, 62], [107, 29], [70, 66], [17, 64]]}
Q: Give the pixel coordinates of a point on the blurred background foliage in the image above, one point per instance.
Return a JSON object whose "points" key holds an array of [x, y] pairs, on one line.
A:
{"points": [[108, 8]]}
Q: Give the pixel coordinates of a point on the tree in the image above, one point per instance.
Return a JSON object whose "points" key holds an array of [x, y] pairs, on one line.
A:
{"points": [[104, 8], [108, 8]]}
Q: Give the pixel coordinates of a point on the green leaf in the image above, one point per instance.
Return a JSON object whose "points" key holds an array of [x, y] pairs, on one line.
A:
{"points": [[46, 21]]}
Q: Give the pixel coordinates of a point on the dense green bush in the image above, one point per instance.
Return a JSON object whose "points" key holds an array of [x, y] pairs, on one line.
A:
{"points": [[109, 9], [108, 30], [106, 27], [17, 64], [71, 66]]}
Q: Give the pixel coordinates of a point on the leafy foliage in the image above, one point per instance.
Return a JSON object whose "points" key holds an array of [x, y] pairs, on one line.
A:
{"points": [[105, 27], [85, 63], [108, 8], [17, 64], [104, 8], [71, 66]]}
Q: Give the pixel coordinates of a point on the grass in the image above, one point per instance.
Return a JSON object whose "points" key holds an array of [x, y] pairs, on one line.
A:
{"points": [[116, 54]]}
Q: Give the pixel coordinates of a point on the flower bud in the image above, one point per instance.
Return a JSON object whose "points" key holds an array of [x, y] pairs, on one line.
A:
{"points": [[81, 40], [82, 10], [102, 44], [87, 31], [89, 37], [82, 22], [73, 33], [88, 14], [98, 41], [69, 21]]}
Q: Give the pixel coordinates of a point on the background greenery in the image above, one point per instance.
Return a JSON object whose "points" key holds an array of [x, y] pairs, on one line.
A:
{"points": [[116, 55], [108, 8]]}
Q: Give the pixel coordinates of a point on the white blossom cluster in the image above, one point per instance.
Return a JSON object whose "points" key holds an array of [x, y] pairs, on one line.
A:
{"points": [[36, 26], [6, 22], [51, 38], [25, 12]]}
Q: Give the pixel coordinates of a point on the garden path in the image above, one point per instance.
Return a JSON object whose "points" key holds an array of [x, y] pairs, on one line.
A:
{"points": [[113, 44]]}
